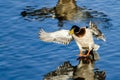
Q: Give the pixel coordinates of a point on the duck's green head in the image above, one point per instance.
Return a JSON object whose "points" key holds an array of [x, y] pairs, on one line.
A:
{"points": [[75, 29]]}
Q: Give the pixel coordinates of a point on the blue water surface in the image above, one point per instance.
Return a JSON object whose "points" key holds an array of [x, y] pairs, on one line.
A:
{"points": [[24, 57]]}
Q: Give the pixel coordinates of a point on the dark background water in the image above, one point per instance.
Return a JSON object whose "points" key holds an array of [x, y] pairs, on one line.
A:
{"points": [[24, 57]]}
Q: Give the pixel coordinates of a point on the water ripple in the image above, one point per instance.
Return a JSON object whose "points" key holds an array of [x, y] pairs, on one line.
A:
{"points": [[24, 57]]}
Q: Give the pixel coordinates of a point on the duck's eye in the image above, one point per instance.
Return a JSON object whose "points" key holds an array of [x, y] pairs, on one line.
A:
{"points": [[76, 30]]}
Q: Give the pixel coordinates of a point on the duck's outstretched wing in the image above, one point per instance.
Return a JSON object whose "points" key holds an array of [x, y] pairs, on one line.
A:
{"points": [[61, 36], [96, 32]]}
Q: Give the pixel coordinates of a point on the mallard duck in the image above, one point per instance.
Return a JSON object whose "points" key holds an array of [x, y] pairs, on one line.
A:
{"points": [[83, 37]]}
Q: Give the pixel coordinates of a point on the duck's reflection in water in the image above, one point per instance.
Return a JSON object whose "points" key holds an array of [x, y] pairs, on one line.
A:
{"points": [[85, 70], [64, 10], [68, 10]]}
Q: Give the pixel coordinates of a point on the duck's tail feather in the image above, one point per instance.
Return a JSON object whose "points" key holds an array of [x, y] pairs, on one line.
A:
{"points": [[96, 47]]}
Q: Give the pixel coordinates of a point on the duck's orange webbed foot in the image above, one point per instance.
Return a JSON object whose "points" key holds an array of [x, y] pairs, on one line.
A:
{"points": [[84, 55]]}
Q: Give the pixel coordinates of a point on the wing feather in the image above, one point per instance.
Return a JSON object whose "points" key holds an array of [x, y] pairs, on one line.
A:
{"points": [[61, 36], [96, 32]]}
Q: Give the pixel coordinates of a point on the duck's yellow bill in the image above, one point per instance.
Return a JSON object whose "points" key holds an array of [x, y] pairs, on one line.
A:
{"points": [[71, 31]]}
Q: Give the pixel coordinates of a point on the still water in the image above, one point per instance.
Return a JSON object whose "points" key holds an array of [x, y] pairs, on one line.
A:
{"points": [[24, 57]]}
